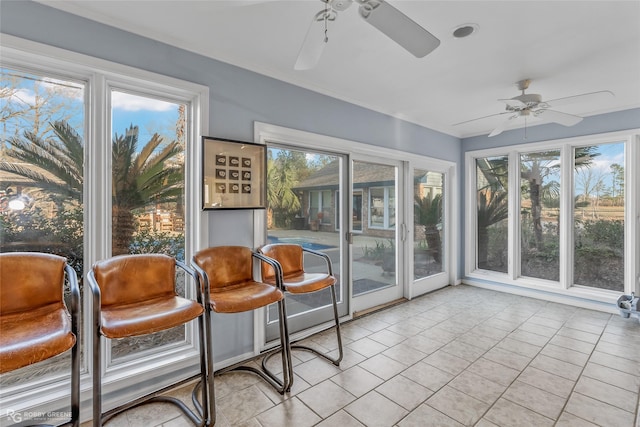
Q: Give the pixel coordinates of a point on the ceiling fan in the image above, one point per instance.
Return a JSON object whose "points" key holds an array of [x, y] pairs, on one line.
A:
{"points": [[531, 104], [386, 18]]}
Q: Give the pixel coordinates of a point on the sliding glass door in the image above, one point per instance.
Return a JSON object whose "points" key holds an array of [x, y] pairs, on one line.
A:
{"points": [[305, 207], [358, 208], [430, 229], [376, 271]]}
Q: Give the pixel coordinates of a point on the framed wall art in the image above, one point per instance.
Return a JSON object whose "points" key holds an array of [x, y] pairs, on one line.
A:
{"points": [[234, 174]]}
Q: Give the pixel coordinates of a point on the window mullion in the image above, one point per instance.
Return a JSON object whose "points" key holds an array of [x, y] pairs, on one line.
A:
{"points": [[513, 222], [632, 216], [567, 166], [566, 217]]}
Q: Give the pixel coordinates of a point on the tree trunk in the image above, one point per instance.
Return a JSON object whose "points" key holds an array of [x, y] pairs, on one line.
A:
{"points": [[123, 229], [536, 211], [483, 247], [432, 235]]}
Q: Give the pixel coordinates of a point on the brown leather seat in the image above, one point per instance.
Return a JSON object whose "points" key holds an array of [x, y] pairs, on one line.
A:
{"points": [[34, 322], [136, 295], [298, 281], [226, 277]]}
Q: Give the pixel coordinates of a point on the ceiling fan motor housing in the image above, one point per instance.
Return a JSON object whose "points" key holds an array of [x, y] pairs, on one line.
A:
{"points": [[524, 101]]}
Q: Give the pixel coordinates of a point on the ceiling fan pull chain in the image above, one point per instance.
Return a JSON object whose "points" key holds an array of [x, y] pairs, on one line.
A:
{"points": [[326, 19]]}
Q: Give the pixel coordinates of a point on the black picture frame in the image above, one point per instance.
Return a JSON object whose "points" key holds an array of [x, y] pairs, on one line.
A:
{"points": [[225, 164]]}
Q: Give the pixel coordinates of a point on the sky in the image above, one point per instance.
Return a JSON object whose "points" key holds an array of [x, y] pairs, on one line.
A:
{"points": [[150, 115], [65, 100]]}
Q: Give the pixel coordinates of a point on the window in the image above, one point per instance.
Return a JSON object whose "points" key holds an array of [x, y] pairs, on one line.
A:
{"points": [[357, 210], [60, 112], [568, 223], [382, 207], [321, 210], [147, 206], [42, 179], [540, 215], [598, 216], [492, 212]]}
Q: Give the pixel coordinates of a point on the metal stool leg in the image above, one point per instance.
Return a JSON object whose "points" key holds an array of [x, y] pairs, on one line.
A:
{"points": [[336, 361]]}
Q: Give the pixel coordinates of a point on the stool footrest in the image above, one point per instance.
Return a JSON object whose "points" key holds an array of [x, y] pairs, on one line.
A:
{"points": [[265, 373], [195, 418], [336, 361], [191, 415]]}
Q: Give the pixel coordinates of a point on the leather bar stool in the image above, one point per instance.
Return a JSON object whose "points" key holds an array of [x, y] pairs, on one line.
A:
{"points": [[226, 275], [298, 281], [35, 324], [136, 295]]}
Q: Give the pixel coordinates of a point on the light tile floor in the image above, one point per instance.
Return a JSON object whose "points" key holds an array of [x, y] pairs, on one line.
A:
{"points": [[461, 356]]}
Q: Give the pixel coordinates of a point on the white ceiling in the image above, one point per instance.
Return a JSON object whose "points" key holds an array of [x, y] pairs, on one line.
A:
{"points": [[565, 47]]}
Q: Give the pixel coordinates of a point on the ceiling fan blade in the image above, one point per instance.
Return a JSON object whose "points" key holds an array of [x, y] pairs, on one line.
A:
{"points": [[314, 42], [498, 130], [242, 3], [399, 27], [483, 117], [559, 117], [585, 97]]}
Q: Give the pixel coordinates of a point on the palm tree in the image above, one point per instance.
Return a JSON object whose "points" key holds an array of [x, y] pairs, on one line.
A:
{"points": [[534, 169], [282, 176], [139, 178], [492, 208], [428, 212]]}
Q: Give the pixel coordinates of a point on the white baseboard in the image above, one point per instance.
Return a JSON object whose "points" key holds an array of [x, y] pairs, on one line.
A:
{"points": [[544, 295]]}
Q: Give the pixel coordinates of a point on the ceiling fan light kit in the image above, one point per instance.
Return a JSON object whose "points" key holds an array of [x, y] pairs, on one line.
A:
{"points": [[381, 15]]}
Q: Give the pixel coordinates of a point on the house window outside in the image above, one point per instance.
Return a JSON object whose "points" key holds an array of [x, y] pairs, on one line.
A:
{"points": [[326, 207], [382, 207], [357, 210], [41, 180], [320, 207]]}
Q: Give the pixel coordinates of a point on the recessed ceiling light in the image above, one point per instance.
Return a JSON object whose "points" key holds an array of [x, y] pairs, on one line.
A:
{"points": [[465, 30]]}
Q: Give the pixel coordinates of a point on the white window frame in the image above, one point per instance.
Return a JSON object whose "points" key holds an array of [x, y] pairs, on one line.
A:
{"points": [[126, 381], [562, 291]]}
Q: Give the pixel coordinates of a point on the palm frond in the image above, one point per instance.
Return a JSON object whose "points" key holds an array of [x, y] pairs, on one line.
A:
{"points": [[38, 180], [71, 140]]}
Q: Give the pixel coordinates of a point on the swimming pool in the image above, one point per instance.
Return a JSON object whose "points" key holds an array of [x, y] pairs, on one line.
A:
{"points": [[299, 241]]}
